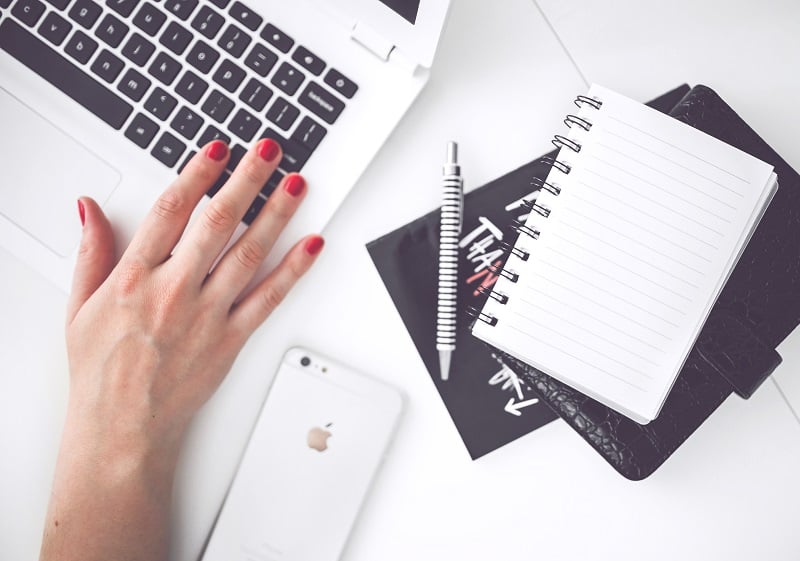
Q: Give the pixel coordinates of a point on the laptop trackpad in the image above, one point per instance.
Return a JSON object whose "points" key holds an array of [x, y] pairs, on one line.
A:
{"points": [[44, 173]]}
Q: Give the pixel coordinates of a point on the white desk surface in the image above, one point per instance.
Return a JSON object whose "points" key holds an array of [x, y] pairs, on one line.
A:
{"points": [[501, 84]]}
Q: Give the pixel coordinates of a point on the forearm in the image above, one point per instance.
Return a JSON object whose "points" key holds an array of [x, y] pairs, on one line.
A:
{"points": [[111, 495]]}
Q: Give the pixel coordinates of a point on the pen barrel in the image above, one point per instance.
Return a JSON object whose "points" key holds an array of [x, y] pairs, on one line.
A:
{"points": [[449, 233]]}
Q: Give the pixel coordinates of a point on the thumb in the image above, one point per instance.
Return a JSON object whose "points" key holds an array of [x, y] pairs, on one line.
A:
{"points": [[95, 256]]}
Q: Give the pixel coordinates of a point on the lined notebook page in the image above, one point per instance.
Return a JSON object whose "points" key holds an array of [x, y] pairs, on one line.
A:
{"points": [[649, 222]]}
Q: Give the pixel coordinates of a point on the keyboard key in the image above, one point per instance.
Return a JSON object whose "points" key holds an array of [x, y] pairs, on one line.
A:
{"points": [[254, 209], [244, 125], [340, 83], [272, 183], [160, 104], [277, 38], [65, 76], [321, 102], [111, 30], [28, 11], [85, 13], [217, 106], [237, 153], [308, 60], [212, 133], [141, 130], [309, 133], [255, 94], [260, 60], [202, 56], [295, 155], [7, 3], [245, 16], [164, 68], [288, 78], [220, 3], [191, 87], [283, 113], [229, 76], [81, 47], [168, 149], [133, 84], [149, 19], [58, 4], [219, 183], [176, 38], [138, 49], [54, 28], [122, 7], [208, 22], [234, 41], [187, 122], [181, 8], [107, 66]]}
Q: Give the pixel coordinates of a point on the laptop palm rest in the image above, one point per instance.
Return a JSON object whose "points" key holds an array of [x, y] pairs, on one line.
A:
{"points": [[45, 171]]}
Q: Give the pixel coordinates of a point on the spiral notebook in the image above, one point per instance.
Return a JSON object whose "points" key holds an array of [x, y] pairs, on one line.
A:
{"points": [[635, 232]]}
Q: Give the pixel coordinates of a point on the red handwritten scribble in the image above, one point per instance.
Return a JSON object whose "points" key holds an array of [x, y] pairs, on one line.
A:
{"points": [[489, 278]]}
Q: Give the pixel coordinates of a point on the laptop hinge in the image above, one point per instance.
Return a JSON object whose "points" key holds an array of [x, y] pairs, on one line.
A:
{"points": [[371, 41]]}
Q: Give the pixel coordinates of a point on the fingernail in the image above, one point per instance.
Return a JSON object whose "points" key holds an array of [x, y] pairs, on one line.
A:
{"points": [[295, 185], [314, 245], [268, 149], [82, 212], [217, 151]]}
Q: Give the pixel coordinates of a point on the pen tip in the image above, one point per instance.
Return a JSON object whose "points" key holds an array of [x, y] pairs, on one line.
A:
{"points": [[444, 364]]}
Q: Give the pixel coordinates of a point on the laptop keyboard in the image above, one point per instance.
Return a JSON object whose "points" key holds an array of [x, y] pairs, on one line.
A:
{"points": [[173, 75]]}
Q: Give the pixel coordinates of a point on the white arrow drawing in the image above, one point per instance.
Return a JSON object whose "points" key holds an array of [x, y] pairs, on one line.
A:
{"points": [[514, 408]]}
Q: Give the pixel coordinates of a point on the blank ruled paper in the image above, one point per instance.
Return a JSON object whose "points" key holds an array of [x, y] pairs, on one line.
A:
{"points": [[650, 220]]}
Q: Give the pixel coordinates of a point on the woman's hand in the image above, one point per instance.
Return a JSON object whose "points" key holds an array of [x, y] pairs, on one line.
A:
{"points": [[150, 339]]}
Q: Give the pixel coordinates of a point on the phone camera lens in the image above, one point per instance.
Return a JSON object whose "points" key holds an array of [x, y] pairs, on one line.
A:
{"points": [[305, 361]]}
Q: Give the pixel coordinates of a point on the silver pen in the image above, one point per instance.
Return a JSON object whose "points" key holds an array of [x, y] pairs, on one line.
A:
{"points": [[449, 232]]}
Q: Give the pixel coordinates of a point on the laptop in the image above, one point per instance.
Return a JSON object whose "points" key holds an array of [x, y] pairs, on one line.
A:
{"points": [[109, 98]]}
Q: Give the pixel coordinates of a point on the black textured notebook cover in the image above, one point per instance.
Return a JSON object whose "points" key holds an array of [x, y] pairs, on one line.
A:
{"points": [[757, 309], [488, 404]]}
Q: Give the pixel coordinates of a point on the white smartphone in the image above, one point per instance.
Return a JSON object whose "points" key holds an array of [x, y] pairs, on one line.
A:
{"points": [[322, 434]]}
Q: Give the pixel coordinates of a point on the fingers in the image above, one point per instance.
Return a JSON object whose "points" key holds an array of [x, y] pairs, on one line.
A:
{"points": [[95, 255], [265, 297], [214, 227], [237, 267], [155, 240]]}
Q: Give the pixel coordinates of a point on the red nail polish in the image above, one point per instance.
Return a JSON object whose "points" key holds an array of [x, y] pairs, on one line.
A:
{"points": [[314, 245], [217, 151], [294, 185], [82, 212], [268, 149]]}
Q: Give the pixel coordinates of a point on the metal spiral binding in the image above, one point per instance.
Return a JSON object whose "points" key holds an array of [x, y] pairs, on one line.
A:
{"points": [[534, 206], [580, 121], [584, 100], [495, 294], [560, 141], [474, 312], [519, 252], [558, 164], [542, 184], [510, 275], [524, 229]]}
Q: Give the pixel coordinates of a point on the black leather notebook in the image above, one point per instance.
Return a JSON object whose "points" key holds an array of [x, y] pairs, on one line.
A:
{"points": [[757, 309], [488, 403]]}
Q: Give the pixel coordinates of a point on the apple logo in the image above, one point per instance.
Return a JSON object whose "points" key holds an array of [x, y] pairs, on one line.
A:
{"points": [[318, 438]]}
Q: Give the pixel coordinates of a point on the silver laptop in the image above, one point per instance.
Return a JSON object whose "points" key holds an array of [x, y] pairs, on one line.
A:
{"points": [[109, 99]]}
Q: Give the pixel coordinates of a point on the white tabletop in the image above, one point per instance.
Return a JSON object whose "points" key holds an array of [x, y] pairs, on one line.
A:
{"points": [[501, 85]]}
